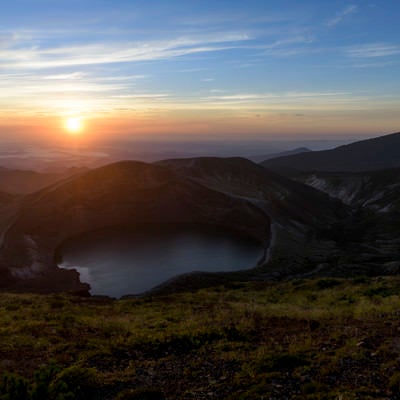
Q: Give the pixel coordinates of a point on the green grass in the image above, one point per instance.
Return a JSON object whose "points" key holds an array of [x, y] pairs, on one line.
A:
{"points": [[304, 339]]}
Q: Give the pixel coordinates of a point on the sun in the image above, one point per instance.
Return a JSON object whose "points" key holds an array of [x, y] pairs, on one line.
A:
{"points": [[74, 125]]}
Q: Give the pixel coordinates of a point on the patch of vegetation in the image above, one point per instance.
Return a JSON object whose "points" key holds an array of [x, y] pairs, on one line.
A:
{"points": [[380, 291], [51, 383], [307, 339]]}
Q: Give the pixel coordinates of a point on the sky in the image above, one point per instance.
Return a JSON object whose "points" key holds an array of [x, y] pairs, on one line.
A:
{"points": [[284, 69]]}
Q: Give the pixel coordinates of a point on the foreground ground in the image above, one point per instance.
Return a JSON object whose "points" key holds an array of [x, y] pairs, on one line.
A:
{"points": [[308, 339]]}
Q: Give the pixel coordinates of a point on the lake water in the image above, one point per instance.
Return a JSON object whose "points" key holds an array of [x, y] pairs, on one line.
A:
{"points": [[116, 262]]}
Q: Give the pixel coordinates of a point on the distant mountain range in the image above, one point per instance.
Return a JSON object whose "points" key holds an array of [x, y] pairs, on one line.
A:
{"points": [[366, 155]]}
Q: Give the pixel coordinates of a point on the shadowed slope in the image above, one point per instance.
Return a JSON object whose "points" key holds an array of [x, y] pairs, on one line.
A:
{"points": [[376, 190], [22, 182], [366, 155], [299, 214], [286, 200]]}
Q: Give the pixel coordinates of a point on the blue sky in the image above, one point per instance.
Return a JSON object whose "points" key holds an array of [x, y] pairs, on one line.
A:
{"points": [[256, 68]]}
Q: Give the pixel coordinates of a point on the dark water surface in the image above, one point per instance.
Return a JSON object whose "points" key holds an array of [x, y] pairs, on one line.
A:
{"points": [[118, 262]]}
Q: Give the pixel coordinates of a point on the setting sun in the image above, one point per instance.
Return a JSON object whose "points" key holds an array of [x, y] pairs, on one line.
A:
{"points": [[74, 125]]}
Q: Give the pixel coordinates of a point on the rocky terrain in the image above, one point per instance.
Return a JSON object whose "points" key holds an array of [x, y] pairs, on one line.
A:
{"points": [[375, 190], [368, 239]]}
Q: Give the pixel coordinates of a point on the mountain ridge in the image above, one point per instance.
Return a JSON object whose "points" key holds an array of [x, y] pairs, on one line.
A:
{"points": [[376, 153], [233, 193]]}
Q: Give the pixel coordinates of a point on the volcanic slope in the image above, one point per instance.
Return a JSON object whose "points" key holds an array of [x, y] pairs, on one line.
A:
{"points": [[21, 182], [232, 193], [367, 155], [284, 200], [375, 199], [375, 190], [298, 213], [122, 194]]}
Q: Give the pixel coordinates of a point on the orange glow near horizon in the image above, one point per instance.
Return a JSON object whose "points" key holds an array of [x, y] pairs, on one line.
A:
{"points": [[183, 124]]}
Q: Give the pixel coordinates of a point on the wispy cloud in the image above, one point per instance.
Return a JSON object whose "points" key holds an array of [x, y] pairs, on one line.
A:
{"points": [[142, 96], [35, 57], [289, 46], [63, 77], [341, 15], [217, 91], [274, 96], [7, 39], [122, 78], [373, 50], [34, 88]]}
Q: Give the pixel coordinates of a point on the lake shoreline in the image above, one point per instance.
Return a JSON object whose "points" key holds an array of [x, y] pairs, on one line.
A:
{"points": [[126, 262]]}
